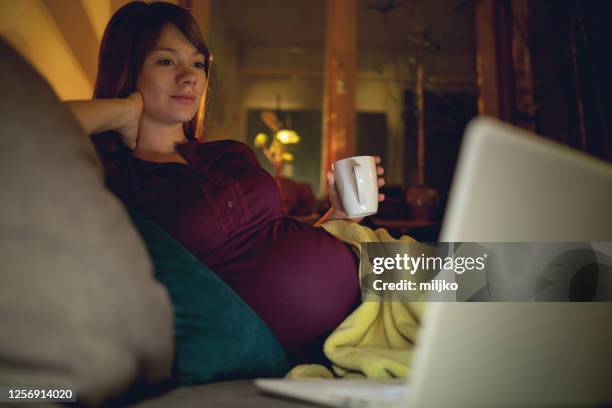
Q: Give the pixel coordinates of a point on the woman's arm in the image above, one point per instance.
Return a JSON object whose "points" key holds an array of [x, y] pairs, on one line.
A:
{"points": [[101, 115], [324, 218]]}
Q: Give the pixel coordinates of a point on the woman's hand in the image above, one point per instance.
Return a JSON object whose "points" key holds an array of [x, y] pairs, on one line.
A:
{"points": [[103, 115], [337, 210], [128, 129]]}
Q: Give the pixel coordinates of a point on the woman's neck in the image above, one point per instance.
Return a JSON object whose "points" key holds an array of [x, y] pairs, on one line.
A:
{"points": [[158, 142]]}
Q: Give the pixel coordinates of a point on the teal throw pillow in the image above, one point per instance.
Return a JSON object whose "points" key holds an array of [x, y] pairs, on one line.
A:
{"points": [[218, 336]]}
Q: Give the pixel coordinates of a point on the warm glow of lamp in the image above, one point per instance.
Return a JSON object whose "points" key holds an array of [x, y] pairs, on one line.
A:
{"points": [[286, 136], [287, 156], [260, 140]]}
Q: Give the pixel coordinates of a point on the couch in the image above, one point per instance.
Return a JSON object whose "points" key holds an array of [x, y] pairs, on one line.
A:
{"points": [[79, 302]]}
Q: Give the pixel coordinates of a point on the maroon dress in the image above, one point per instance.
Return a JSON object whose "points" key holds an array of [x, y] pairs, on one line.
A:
{"points": [[226, 209]]}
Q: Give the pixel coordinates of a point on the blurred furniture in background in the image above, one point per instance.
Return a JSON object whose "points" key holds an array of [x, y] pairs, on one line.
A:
{"points": [[421, 230], [421, 201], [401, 213]]}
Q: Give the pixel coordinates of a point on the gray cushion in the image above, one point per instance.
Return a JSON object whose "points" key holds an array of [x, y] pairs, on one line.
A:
{"points": [[78, 302], [227, 394]]}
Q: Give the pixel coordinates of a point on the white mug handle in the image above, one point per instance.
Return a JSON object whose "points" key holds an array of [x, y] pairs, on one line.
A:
{"points": [[359, 177]]}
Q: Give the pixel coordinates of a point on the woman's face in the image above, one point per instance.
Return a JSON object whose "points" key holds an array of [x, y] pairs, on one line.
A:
{"points": [[172, 79]]}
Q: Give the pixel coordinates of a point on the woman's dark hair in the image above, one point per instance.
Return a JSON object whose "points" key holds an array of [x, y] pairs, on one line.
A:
{"points": [[130, 36]]}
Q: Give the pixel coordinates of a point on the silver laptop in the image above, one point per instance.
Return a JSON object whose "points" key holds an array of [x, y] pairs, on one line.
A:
{"points": [[510, 186]]}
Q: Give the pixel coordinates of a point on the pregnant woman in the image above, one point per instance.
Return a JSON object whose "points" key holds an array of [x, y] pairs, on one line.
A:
{"points": [[214, 198]]}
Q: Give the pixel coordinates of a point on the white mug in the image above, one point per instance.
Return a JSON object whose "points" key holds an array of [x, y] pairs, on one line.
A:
{"points": [[357, 185]]}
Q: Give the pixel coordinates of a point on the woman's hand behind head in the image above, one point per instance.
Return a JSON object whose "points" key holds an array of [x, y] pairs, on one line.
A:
{"points": [[131, 119]]}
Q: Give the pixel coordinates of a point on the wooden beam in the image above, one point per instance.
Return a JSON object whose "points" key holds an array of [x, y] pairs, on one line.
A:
{"points": [[486, 60], [339, 117]]}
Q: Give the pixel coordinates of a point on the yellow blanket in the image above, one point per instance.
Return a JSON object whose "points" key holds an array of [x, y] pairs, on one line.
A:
{"points": [[377, 339]]}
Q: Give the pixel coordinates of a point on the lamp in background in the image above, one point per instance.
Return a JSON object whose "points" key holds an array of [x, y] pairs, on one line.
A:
{"points": [[276, 150]]}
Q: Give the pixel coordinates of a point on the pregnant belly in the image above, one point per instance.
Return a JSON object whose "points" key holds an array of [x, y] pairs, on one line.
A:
{"points": [[301, 280]]}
